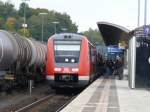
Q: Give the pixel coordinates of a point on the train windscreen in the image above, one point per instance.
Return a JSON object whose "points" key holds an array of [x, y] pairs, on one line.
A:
{"points": [[67, 51]]}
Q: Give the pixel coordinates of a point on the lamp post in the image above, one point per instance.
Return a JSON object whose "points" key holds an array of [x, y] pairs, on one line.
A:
{"points": [[138, 24], [42, 15], [24, 25], [55, 23], [145, 12]]}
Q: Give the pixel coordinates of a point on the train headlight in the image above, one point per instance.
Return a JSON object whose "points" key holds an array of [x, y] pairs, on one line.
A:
{"points": [[57, 69], [72, 60], [75, 69], [66, 59]]}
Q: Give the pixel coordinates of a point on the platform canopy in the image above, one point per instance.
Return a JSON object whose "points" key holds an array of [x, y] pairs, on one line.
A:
{"points": [[112, 33]]}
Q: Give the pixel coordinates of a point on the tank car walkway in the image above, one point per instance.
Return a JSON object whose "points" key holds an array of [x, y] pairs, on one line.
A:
{"points": [[110, 95]]}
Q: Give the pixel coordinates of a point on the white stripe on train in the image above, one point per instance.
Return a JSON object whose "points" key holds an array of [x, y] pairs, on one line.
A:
{"points": [[80, 77]]}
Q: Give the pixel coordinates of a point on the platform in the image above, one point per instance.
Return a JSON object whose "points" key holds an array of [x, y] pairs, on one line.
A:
{"points": [[110, 95]]}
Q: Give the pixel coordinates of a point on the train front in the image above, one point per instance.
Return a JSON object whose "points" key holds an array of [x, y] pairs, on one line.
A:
{"points": [[63, 61]]}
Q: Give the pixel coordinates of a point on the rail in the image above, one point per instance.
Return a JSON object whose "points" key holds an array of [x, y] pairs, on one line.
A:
{"points": [[33, 104]]}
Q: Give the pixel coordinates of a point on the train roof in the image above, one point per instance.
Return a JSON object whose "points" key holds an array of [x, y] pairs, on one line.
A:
{"points": [[68, 36], [73, 36]]}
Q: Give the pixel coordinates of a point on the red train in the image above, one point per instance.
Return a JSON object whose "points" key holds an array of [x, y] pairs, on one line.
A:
{"points": [[71, 60]]}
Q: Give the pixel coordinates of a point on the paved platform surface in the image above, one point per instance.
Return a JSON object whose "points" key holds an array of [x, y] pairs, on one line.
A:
{"points": [[110, 95]]}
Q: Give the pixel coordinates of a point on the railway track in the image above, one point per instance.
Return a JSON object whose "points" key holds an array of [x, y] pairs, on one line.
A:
{"points": [[42, 99], [27, 107], [59, 109], [50, 103]]}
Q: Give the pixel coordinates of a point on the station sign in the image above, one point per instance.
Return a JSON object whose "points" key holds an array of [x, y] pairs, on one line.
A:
{"points": [[147, 29], [114, 50]]}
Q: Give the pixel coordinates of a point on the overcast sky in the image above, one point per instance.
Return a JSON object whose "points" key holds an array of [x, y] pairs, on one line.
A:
{"points": [[85, 13]]}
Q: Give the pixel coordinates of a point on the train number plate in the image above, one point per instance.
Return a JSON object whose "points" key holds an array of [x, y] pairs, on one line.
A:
{"points": [[66, 77]]}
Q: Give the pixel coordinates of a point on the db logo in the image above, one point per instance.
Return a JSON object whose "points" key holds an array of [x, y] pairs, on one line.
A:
{"points": [[66, 70]]}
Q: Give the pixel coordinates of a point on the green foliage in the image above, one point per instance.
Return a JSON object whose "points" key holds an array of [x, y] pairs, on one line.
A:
{"points": [[7, 10], [2, 23], [11, 19], [65, 22], [24, 10], [94, 36], [10, 24], [25, 32]]}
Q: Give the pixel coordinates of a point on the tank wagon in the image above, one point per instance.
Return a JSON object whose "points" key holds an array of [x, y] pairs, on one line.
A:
{"points": [[71, 60], [21, 59]]}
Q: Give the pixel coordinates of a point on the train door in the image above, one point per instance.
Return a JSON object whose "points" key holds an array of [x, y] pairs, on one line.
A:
{"points": [[92, 62]]}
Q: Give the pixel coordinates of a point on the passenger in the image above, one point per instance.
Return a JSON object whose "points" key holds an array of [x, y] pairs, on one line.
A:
{"points": [[109, 67], [119, 67], [107, 70]]}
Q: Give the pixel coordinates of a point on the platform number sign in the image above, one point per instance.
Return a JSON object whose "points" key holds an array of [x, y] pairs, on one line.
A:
{"points": [[147, 29]]}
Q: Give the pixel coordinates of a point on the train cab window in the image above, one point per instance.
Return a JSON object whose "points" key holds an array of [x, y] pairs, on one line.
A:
{"points": [[67, 51]]}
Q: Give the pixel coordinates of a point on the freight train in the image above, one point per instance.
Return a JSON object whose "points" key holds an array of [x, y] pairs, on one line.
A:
{"points": [[21, 59], [71, 60]]}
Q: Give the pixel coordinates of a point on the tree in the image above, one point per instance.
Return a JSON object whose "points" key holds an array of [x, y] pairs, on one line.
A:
{"points": [[24, 10], [10, 24], [35, 23], [9, 10], [11, 19], [25, 32], [94, 36], [66, 22], [2, 23]]}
